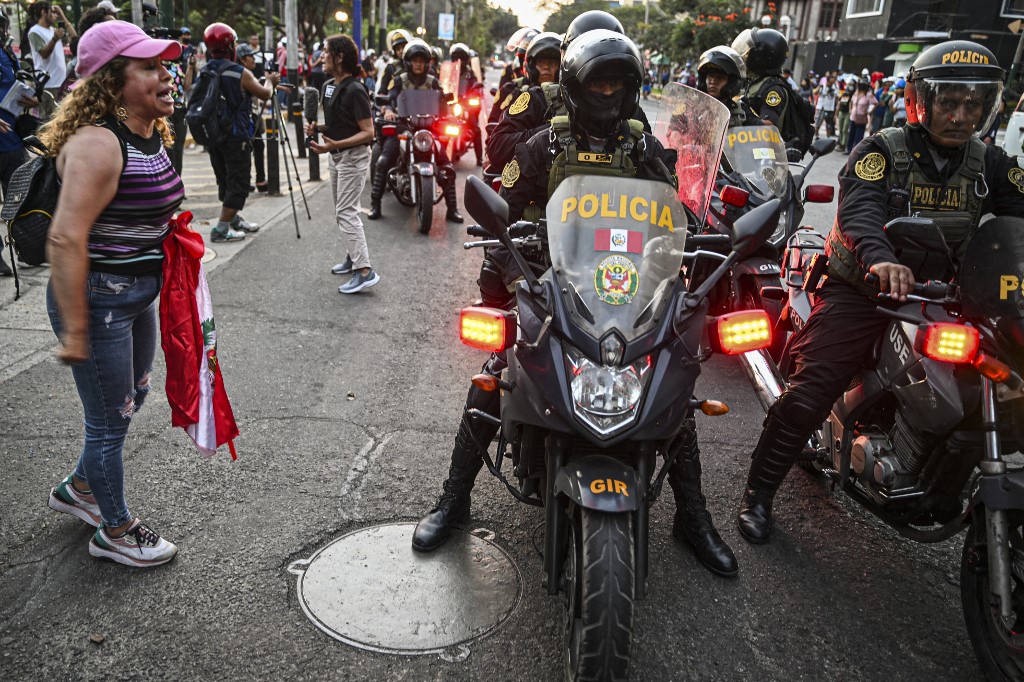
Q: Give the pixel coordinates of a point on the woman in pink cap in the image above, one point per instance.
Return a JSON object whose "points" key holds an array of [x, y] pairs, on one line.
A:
{"points": [[119, 191]]}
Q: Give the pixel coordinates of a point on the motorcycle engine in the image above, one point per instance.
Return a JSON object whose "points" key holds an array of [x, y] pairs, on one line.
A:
{"points": [[892, 461]]}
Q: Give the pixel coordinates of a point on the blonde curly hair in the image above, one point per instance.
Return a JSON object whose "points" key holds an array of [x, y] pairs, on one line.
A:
{"points": [[92, 99]]}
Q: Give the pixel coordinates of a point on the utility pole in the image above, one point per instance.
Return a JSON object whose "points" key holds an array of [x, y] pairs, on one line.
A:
{"points": [[381, 46], [137, 12], [357, 23], [291, 30]]}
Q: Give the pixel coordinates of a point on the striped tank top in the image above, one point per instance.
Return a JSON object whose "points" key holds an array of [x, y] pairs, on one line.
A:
{"points": [[127, 237]]}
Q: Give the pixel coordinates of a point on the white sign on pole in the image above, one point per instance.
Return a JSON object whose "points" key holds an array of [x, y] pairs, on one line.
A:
{"points": [[445, 26]]}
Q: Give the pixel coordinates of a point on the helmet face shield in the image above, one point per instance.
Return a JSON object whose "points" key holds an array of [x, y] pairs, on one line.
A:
{"points": [[954, 110]]}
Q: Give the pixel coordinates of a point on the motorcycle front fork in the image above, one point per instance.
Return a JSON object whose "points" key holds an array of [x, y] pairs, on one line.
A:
{"points": [[996, 524]]}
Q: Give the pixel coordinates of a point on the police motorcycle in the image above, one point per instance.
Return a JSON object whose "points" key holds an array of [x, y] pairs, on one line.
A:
{"points": [[422, 130], [602, 353], [466, 105], [920, 436]]}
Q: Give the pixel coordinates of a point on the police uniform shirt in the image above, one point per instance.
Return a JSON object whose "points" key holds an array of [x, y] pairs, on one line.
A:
{"points": [[506, 95], [392, 72], [864, 191], [345, 104], [773, 102], [521, 119], [525, 178]]}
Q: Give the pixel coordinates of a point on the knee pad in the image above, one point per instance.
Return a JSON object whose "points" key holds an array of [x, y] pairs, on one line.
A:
{"points": [[493, 290]]}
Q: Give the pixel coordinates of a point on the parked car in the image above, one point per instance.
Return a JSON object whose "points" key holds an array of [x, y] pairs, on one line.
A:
{"points": [[1014, 135]]}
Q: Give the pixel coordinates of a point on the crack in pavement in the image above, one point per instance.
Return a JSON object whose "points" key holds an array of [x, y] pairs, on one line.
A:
{"points": [[356, 479]]}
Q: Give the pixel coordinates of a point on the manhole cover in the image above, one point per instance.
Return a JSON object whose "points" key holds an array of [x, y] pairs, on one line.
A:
{"points": [[371, 590], [209, 255]]}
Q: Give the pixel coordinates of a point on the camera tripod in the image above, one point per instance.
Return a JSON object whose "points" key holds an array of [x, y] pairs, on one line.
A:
{"points": [[278, 121]]}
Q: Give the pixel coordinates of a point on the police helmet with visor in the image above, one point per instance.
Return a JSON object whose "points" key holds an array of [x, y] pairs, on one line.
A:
{"points": [[459, 51], [545, 45], [953, 90], [595, 59], [764, 50], [415, 48], [517, 37], [722, 58], [397, 38], [590, 21]]}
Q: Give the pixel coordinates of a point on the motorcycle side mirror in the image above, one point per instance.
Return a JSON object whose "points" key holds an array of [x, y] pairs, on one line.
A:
{"points": [[916, 234], [734, 196], [819, 194], [823, 146], [752, 229], [486, 207], [381, 100]]}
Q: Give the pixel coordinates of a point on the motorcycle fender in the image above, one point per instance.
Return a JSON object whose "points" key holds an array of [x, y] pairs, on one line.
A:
{"points": [[755, 266], [1000, 492], [601, 483], [423, 169]]}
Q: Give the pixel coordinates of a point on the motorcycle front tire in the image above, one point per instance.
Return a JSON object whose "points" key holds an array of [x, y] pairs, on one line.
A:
{"points": [[597, 623], [1000, 652], [424, 203]]}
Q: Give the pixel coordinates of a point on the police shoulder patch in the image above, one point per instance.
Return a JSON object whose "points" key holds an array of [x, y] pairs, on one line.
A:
{"points": [[510, 174], [504, 102], [871, 167], [1016, 176], [773, 99], [519, 106]]}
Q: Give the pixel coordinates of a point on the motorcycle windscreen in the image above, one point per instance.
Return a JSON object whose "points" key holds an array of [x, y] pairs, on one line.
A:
{"points": [[992, 270], [693, 124], [420, 102], [450, 79], [616, 248], [759, 155]]}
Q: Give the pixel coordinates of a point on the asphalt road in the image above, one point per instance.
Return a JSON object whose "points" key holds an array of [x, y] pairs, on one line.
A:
{"points": [[347, 407]]}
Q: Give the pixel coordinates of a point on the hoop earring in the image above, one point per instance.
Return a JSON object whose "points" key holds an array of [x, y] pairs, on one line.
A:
{"points": [[121, 113]]}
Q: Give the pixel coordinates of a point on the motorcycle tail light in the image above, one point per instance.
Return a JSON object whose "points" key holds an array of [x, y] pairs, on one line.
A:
{"points": [[457, 109], [423, 141], [734, 196], [474, 102], [820, 194], [994, 369], [389, 131], [947, 342], [452, 131], [741, 331], [487, 329]]}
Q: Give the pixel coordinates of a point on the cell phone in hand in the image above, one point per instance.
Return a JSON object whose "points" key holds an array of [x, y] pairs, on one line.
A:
{"points": [[60, 24]]}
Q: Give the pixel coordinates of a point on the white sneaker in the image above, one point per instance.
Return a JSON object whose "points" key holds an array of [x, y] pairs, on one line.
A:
{"points": [[359, 282], [140, 546]]}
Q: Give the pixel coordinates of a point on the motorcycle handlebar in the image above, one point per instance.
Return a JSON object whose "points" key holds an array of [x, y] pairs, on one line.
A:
{"points": [[698, 241], [517, 230], [932, 289]]}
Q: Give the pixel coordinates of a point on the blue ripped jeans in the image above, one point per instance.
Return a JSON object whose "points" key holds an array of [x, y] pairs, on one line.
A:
{"points": [[113, 383]]}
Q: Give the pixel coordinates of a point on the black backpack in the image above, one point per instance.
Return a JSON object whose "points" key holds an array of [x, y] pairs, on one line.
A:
{"points": [[798, 119], [209, 117], [29, 205]]}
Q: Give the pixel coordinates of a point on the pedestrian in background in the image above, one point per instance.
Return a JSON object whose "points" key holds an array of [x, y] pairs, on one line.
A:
{"points": [[46, 39], [232, 158], [316, 71], [118, 194], [183, 71], [860, 106], [843, 112], [898, 107], [12, 149], [247, 58], [347, 135], [825, 110]]}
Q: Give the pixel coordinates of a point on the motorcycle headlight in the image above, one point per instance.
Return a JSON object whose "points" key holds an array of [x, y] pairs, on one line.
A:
{"points": [[606, 397], [423, 140], [457, 109]]}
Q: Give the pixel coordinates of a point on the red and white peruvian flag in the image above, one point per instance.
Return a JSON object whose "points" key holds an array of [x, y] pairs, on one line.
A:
{"points": [[626, 241]]}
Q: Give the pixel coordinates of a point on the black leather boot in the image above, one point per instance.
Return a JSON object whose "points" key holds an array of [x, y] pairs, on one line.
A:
{"points": [[380, 182], [450, 198], [452, 508], [778, 448], [692, 523]]}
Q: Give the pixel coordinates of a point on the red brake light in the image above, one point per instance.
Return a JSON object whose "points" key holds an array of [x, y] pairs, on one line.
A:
{"points": [[947, 342], [742, 331], [388, 131], [820, 194], [734, 196], [474, 102], [487, 329], [452, 131]]}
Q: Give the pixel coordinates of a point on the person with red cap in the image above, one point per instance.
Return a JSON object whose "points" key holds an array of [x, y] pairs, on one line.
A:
{"points": [[119, 192]]}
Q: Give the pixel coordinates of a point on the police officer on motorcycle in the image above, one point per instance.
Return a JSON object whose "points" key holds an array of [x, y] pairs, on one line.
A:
{"points": [[721, 74], [416, 58], [514, 68], [397, 39], [600, 76], [508, 90], [936, 167], [764, 51], [460, 54]]}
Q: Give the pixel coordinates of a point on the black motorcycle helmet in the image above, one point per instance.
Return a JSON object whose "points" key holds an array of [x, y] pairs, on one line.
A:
{"points": [[544, 45], [726, 59], [764, 50], [960, 68], [459, 51], [600, 55], [414, 48], [524, 42], [590, 21]]}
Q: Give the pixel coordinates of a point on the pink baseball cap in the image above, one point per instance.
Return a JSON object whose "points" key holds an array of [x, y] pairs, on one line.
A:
{"points": [[109, 39]]}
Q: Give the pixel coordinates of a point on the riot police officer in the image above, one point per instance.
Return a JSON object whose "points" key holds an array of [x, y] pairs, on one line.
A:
{"points": [[460, 54], [397, 39], [416, 58], [937, 167], [508, 91], [600, 77], [721, 73], [514, 68], [764, 51]]}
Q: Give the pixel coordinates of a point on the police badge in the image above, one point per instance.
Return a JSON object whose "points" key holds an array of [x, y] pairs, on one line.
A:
{"points": [[616, 280]]}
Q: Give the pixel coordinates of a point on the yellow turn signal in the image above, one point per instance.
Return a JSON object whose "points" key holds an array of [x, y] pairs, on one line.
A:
{"points": [[714, 408]]}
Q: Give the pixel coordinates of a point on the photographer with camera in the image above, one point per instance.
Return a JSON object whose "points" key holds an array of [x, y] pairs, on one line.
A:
{"points": [[46, 40]]}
